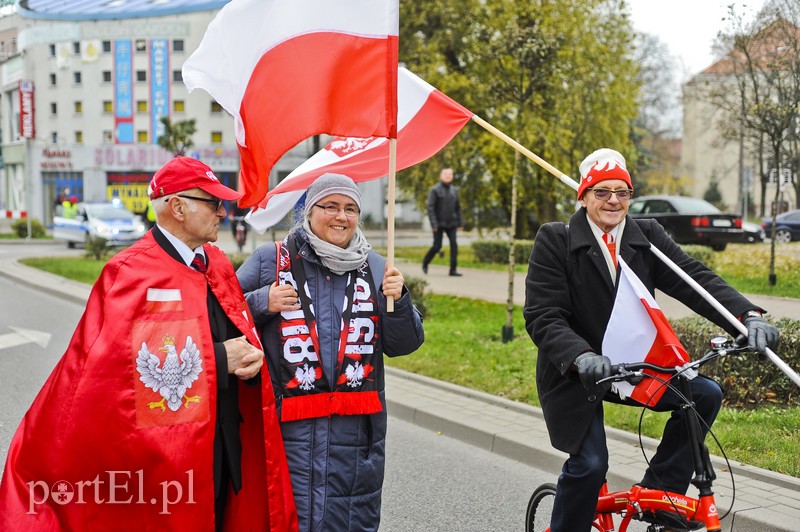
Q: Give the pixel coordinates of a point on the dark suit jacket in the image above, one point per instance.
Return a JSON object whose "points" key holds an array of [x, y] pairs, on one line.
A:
{"points": [[227, 444], [569, 297]]}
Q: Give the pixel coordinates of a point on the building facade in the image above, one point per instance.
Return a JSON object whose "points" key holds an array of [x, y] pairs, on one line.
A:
{"points": [[82, 92], [716, 148]]}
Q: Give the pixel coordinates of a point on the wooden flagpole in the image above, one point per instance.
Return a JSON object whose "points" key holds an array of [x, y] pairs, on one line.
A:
{"points": [[564, 178], [390, 213]]}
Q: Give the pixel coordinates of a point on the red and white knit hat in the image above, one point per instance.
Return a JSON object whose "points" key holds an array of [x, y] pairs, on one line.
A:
{"points": [[602, 165]]}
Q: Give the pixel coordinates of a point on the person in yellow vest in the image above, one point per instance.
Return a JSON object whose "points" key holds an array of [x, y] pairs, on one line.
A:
{"points": [[69, 208], [150, 214]]}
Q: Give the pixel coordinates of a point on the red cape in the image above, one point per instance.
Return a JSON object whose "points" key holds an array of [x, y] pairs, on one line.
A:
{"points": [[98, 449]]}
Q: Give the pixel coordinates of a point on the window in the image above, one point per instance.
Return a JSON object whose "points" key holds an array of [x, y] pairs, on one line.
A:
{"points": [[141, 75], [108, 106], [53, 108], [141, 46], [141, 137], [108, 137], [177, 45], [216, 137], [52, 50], [106, 47], [54, 137], [215, 107], [141, 106], [106, 76], [177, 77], [53, 80], [76, 78], [76, 48], [79, 137], [78, 107], [178, 106]]}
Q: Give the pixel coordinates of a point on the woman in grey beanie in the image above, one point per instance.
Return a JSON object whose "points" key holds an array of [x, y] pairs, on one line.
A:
{"points": [[319, 300]]}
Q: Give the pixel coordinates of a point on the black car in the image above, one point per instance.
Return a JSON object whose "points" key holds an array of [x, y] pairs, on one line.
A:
{"points": [[787, 227], [690, 220]]}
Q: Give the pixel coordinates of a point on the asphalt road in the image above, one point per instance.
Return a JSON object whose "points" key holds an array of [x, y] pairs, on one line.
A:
{"points": [[35, 329]]}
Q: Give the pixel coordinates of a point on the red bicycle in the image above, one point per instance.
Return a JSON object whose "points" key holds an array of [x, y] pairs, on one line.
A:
{"points": [[662, 510]]}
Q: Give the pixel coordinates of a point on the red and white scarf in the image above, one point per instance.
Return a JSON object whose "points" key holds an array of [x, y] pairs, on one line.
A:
{"points": [[306, 390]]}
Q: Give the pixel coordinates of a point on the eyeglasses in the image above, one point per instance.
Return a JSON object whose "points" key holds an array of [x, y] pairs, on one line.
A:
{"points": [[333, 210], [216, 202], [604, 194]]}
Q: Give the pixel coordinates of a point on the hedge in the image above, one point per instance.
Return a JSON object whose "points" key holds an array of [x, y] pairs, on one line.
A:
{"points": [[496, 251], [749, 380], [20, 227]]}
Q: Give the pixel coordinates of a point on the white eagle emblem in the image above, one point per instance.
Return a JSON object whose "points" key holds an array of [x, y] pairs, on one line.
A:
{"points": [[175, 376], [305, 377], [355, 374]]}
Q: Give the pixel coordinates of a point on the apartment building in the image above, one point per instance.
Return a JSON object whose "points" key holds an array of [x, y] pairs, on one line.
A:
{"points": [[82, 89]]}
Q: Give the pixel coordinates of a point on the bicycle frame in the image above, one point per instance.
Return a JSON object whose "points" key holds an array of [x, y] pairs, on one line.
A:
{"points": [[657, 506], [638, 500]]}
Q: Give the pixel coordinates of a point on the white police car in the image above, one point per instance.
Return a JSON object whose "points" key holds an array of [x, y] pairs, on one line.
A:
{"points": [[110, 221]]}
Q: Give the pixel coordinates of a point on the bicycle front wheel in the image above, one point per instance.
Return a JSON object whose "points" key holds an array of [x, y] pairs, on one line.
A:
{"points": [[540, 508]]}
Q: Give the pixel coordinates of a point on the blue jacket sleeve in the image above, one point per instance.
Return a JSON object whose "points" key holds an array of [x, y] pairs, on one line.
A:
{"points": [[256, 276]]}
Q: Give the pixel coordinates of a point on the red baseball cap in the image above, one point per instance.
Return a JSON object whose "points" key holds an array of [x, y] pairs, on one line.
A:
{"points": [[184, 173]]}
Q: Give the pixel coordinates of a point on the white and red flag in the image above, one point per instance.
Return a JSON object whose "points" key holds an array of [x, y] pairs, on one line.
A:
{"points": [[290, 69], [638, 331], [427, 120]]}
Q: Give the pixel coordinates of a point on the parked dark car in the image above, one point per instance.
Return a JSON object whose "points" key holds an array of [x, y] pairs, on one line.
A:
{"points": [[787, 226], [690, 220], [753, 233]]}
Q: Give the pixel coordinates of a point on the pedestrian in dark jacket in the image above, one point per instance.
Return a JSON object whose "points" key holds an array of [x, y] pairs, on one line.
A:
{"points": [[570, 290], [444, 213], [319, 299]]}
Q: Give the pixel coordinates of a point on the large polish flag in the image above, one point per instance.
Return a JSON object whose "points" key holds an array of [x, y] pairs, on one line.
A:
{"points": [[290, 69], [638, 331], [427, 120]]}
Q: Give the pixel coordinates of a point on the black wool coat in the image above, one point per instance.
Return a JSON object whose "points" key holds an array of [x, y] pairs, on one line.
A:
{"points": [[569, 297]]}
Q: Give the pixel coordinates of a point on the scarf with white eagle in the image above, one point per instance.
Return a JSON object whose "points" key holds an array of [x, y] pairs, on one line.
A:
{"points": [[306, 390]]}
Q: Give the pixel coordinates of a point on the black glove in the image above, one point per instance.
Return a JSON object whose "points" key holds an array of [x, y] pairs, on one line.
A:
{"points": [[591, 368], [761, 334]]}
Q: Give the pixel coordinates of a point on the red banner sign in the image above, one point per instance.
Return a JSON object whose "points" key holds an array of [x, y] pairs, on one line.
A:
{"points": [[26, 109]]}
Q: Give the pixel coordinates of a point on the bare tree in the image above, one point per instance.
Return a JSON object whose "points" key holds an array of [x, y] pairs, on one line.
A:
{"points": [[761, 92]]}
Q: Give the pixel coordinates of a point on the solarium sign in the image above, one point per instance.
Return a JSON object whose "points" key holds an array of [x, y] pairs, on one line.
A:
{"points": [[27, 129]]}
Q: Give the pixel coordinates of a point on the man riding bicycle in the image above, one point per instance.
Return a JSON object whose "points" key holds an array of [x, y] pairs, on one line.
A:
{"points": [[570, 290]]}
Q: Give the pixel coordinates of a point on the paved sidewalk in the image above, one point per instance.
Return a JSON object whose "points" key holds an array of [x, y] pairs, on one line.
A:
{"points": [[765, 501]]}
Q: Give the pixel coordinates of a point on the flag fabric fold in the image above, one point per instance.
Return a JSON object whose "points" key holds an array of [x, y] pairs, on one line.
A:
{"points": [[290, 69], [427, 120], [638, 331]]}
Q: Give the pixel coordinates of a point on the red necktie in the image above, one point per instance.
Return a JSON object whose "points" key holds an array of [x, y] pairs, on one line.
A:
{"points": [[608, 238], [199, 263]]}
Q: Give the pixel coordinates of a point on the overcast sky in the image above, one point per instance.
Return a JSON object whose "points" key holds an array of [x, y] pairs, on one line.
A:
{"points": [[688, 27]]}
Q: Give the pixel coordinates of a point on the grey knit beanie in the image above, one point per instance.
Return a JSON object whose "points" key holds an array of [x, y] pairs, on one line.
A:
{"points": [[328, 184]]}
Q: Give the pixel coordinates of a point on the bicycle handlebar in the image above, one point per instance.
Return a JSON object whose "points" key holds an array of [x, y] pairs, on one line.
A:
{"points": [[721, 346]]}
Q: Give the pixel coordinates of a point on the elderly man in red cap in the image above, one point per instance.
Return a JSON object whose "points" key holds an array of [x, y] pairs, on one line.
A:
{"points": [[157, 416], [569, 295]]}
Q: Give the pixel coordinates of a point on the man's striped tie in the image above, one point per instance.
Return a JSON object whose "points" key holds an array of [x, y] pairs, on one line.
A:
{"points": [[199, 263]]}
